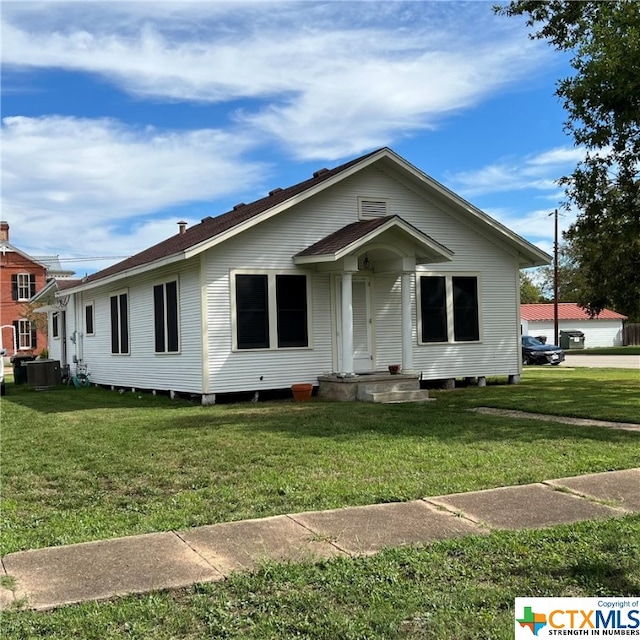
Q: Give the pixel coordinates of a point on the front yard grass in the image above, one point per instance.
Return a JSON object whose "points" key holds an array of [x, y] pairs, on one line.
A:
{"points": [[86, 464], [453, 590]]}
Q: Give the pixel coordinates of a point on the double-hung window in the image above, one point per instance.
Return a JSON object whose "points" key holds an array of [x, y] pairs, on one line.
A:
{"points": [[120, 323], [271, 310], [26, 334], [165, 316], [449, 308], [23, 286]]}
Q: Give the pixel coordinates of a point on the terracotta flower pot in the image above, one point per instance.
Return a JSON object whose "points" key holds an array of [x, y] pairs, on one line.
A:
{"points": [[302, 391], [395, 368]]}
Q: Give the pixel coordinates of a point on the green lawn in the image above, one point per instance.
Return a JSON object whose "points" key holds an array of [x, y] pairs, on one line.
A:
{"points": [[453, 590], [86, 464]]}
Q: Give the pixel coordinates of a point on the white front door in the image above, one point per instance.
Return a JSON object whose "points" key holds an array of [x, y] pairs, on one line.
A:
{"points": [[362, 325]]}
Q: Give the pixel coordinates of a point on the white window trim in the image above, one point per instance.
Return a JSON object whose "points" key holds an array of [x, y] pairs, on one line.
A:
{"points": [[362, 199], [22, 322], [89, 304], [117, 294], [448, 276], [22, 277], [164, 282], [273, 308], [58, 315]]}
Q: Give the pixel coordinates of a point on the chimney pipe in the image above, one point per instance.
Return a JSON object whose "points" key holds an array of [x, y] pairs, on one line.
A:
{"points": [[4, 231], [182, 225]]}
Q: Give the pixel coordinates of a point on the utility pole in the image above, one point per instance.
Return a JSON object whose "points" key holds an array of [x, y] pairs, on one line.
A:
{"points": [[555, 280]]}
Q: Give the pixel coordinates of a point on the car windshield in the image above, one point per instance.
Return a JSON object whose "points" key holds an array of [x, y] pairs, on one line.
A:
{"points": [[528, 341]]}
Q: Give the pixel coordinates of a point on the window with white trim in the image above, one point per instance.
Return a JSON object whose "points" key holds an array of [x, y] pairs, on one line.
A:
{"points": [[89, 319], [449, 309], [23, 286], [165, 316], [270, 310], [26, 334], [55, 325], [120, 323]]}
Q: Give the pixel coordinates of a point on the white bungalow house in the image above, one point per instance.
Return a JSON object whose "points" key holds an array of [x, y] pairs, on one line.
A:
{"points": [[604, 330], [361, 266]]}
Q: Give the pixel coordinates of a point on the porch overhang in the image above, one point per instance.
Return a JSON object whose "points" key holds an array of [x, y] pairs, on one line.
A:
{"points": [[392, 232]]}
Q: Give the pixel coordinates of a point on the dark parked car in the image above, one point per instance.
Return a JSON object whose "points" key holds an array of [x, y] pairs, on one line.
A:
{"points": [[536, 352]]}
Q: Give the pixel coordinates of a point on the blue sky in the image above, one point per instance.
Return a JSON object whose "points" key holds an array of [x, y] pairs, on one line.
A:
{"points": [[121, 118]]}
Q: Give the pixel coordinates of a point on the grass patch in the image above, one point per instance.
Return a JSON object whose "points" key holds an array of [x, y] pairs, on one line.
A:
{"points": [[454, 590], [87, 464], [606, 351]]}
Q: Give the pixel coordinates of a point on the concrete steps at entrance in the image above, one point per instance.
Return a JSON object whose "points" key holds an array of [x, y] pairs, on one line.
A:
{"points": [[373, 387], [389, 397]]}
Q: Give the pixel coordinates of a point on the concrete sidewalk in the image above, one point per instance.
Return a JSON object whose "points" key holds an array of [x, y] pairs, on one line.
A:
{"points": [[48, 578]]}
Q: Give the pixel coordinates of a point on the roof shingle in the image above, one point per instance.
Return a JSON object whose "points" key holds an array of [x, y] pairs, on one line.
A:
{"points": [[566, 311]]}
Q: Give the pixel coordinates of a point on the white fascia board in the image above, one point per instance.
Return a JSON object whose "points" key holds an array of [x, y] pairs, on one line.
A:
{"points": [[149, 266], [283, 206], [532, 255]]}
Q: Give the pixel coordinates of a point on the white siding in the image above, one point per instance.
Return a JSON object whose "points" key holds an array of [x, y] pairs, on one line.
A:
{"points": [[597, 333], [271, 245], [142, 368]]}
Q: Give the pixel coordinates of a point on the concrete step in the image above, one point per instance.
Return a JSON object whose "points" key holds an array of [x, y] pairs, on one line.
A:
{"points": [[388, 397]]}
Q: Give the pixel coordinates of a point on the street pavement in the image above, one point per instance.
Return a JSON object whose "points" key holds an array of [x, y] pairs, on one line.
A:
{"points": [[601, 362]]}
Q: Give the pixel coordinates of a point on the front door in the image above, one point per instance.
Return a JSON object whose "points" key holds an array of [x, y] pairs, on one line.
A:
{"points": [[362, 325]]}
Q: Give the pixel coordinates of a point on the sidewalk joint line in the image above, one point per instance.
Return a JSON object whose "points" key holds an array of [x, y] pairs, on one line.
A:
{"points": [[177, 535], [316, 533]]}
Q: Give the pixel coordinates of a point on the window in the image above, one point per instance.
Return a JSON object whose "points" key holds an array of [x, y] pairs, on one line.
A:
{"points": [[291, 304], [88, 320], [433, 305], [26, 334], [271, 311], [23, 286], [465, 309], [165, 315], [120, 323], [252, 311], [449, 309], [55, 328]]}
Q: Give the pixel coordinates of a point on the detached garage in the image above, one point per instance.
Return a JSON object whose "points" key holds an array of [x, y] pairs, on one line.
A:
{"points": [[605, 330]]}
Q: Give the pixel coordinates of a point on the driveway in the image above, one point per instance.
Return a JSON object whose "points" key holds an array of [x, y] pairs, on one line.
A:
{"points": [[616, 362]]}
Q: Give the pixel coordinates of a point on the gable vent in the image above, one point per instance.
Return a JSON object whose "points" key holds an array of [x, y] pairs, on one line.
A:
{"points": [[373, 208]]}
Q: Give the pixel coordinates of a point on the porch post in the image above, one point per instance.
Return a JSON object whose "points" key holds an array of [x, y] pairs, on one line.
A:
{"points": [[408, 269], [347, 322]]}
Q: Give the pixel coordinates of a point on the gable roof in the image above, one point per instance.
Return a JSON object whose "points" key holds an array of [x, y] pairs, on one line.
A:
{"points": [[349, 238], [566, 311], [8, 247], [213, 230]]}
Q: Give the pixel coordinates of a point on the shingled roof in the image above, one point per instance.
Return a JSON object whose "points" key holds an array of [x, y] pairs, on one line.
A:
{"points": [[211, 227]]}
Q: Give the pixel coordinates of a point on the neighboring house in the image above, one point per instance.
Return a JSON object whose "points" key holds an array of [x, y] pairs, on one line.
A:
{"points": [[605, 330], [365, 265], [21, 276]]}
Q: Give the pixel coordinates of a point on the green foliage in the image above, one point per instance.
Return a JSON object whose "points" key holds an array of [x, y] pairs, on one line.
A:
{"points": [[529, 291], [602, 99]]}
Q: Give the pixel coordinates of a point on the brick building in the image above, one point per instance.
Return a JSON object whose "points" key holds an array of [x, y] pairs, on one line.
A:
{"points": [[21, 275]]}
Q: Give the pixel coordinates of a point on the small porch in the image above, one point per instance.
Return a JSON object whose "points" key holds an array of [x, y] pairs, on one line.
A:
{"points": [[373, 387]]}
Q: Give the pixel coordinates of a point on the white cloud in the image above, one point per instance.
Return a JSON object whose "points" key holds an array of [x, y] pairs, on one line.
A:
{"points": [[539, 172], [66, 178], [332, 79]]}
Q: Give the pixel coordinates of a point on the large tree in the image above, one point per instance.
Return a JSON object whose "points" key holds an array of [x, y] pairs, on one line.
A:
{"points": [[602, 99]]}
